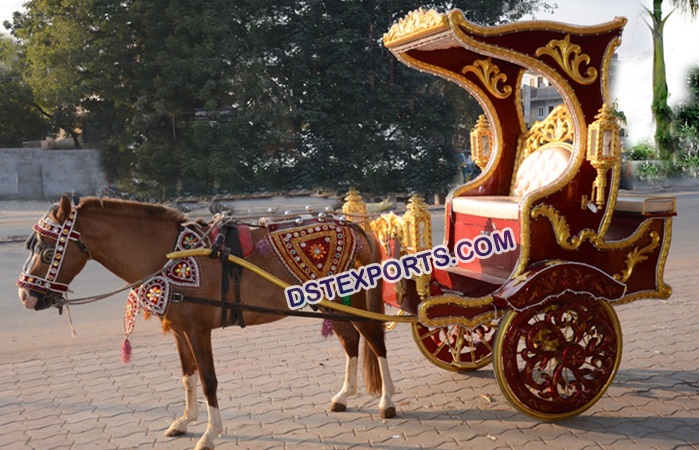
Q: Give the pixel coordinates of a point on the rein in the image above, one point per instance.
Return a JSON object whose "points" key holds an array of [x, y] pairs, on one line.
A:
{"points": [[98, 297]]}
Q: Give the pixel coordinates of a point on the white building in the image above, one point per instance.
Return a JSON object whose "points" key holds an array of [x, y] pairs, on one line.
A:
{"points": [[538, 97]]}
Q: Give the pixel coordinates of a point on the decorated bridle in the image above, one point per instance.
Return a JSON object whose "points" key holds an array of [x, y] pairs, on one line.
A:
{"points": [[62, 234]]}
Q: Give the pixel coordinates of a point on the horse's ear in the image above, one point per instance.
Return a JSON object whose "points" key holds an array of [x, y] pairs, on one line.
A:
{"points": [[64, 207]]}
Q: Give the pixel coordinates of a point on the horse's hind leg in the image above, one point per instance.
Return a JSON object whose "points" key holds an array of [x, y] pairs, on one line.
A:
{"points": [[349, 338], [189, 380]]}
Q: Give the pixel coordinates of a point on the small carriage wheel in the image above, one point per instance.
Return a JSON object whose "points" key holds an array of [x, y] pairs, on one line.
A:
{"points": [[556, 361], [455, 347]]}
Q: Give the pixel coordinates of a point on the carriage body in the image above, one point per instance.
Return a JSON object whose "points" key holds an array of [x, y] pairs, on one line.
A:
{"points": [[580, 247]]}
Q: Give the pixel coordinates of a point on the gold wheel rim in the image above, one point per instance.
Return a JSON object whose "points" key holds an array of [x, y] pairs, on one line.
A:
{"points": [[431, 356], [512, 398]]}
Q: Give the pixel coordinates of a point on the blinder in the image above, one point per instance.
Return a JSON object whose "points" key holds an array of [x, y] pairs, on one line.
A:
{"points": [[45, 251]]}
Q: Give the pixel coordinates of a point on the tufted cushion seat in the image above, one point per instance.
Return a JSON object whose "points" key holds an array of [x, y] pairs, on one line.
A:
{"points": [[541, 168]]}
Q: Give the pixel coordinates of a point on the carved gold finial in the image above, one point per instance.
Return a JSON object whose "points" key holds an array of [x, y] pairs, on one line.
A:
{"points": [[417, 234], [490, 76], [416, 24], [354, 206], [569, 56]]}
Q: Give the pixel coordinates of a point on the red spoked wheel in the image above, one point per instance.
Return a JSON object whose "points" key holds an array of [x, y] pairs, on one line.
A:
{"points": [[455, 347], [556, 361]]}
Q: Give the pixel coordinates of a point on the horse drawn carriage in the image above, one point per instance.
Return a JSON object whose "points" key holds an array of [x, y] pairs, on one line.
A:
{"points": [[538, 248], [542, 313]]}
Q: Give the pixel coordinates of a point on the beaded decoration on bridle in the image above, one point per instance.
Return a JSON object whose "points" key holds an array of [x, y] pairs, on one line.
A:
{"points": [[61, 233]]}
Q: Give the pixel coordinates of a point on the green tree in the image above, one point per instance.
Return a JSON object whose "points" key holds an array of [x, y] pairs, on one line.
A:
{"points": [[20, 118], [686, 121], [197, 95], [662, 113], [363, 118]]}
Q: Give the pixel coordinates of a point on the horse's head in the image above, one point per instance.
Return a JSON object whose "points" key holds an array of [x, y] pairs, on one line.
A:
{"points": [[57, 256]]}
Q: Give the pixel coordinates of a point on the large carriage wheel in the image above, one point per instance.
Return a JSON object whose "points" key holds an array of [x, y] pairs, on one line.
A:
{"points": [[556, 361], [455, 347]]}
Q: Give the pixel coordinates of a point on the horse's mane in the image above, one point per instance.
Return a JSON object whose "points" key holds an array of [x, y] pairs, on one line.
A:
{"points": [[131, 208]]}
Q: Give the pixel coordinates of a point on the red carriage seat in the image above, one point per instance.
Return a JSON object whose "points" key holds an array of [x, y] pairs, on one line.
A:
{"points": [[541, 168], [543, 157]]}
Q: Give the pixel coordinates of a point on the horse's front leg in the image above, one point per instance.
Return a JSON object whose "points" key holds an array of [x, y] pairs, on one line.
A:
{"points": [[200, 342], [349, 338], [189, 380]]}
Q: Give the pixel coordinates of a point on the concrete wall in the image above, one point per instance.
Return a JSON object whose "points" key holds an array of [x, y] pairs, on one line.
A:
{"points": [[34, 173]]}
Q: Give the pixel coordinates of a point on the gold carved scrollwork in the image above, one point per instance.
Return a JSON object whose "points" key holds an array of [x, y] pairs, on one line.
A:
{"points": [[490, 76], [561, 229], [569, 56], [557, 127], [389, 227], [386, 228], [415, 23], [637, 255]]}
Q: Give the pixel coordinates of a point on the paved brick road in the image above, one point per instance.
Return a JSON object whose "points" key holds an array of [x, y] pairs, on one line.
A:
{"points": [[275, 383]]}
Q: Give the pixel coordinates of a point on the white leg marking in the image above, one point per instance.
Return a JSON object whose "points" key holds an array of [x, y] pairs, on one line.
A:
{"points": [[387, 388], [350, 385], [191, 409], [213, 430]]}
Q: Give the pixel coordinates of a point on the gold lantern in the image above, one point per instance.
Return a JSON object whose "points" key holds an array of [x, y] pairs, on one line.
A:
{"points": [[603, 152], [481, 142]]}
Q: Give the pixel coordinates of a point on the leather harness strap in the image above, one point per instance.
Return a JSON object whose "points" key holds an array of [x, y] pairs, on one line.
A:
{"points": [[228, 243]]}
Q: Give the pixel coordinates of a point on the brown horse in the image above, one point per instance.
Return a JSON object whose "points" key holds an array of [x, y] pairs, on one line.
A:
{"points": [[131, 240]]}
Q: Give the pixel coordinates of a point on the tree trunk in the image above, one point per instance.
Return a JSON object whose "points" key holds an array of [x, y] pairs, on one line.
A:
{"points": [[660, 109], [76, 141]]}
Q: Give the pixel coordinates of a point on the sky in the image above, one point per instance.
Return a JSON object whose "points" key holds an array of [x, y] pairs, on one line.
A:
{"points": [[632, 89]]}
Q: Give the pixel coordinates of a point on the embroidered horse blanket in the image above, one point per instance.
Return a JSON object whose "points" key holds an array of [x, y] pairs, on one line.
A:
{"points": [[313, 249]]}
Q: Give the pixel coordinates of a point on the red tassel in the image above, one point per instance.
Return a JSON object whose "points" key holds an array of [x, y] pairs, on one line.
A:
{"points": [[327, 329], [126, 351]]}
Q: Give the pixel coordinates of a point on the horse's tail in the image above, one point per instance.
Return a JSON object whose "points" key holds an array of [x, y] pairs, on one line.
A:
{"points": [[374, 302]]}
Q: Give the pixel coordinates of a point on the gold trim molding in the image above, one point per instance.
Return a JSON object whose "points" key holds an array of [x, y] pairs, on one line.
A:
{"points": [[490, 76], [464, 302], [569, 56]]}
